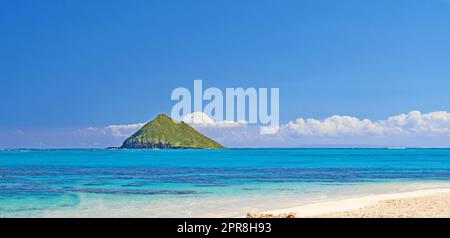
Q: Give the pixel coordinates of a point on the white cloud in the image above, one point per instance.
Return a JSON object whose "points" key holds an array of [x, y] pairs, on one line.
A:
{"points": [[117, 130], [200, 119], [196, 119], [434, 123], [269, 130]]}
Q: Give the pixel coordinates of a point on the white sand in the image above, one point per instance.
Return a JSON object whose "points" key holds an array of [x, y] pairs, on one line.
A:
{"points": [[405, 204]]}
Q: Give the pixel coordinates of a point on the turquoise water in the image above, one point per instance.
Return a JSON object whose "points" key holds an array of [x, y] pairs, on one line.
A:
{"points": [[179, 183]]}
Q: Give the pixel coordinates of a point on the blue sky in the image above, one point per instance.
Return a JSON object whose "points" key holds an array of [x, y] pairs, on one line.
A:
{"points": [[70, 65]]}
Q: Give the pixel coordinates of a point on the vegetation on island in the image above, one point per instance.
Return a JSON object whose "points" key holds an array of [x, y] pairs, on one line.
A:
{"points": [[165, 133]]}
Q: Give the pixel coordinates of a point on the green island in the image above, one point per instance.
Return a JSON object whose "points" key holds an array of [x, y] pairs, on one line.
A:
{"points": [[164, 132]]}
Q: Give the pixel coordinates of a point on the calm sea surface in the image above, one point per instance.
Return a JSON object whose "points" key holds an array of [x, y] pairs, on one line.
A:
{"points": [[214, 183]]}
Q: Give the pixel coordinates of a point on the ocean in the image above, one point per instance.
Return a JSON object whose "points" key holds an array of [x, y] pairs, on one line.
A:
{"points": [[204, 183]]}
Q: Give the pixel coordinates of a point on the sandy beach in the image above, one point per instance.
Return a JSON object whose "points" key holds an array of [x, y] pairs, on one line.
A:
{"points": [[427, 203]]}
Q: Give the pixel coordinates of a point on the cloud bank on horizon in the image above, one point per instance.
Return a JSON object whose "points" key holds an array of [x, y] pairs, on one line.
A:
{"points": [[407, 129], [414, 122]]}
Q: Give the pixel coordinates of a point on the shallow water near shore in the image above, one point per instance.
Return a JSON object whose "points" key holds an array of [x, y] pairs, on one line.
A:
{"points": [[204, 183]]}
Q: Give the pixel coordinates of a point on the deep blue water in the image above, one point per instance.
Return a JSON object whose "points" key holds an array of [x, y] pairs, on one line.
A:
{"points": [[36, 181]]}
